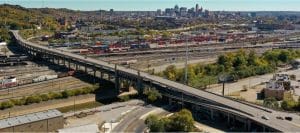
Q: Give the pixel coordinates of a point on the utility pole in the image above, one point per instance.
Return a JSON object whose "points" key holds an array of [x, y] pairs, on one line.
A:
{"points": [[186, 61]]}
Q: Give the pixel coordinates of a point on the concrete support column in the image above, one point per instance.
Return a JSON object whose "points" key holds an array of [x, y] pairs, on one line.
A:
{"points": [[233, 120], [69, 63], [170, 101], [211, 114], [85, 68], [117, 79], [94, 75], [101, 75], [228, 118], [52, 59], [139, 83], [248, 125], [58, 61], [64, 61], [109, 77], [76, 67]]}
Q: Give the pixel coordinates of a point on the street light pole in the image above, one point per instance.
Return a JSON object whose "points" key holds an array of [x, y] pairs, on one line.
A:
{"points": [[74, 105]]}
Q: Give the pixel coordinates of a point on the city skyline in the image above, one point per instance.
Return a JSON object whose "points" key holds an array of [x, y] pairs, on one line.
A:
{"points": [[153, 5]]}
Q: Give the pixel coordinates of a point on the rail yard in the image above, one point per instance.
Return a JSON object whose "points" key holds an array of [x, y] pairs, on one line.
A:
{"points": [[66, 70]]}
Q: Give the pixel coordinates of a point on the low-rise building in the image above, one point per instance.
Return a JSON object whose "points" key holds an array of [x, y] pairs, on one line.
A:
{"points": [[296, 63], [45, 121], [277, 86]]}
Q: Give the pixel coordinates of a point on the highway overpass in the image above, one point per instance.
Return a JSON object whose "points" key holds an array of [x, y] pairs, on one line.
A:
{"points": [[173, 90]]}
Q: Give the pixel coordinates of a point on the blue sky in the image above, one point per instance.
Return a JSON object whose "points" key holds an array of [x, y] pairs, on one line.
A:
{"points": [[226, 5]]}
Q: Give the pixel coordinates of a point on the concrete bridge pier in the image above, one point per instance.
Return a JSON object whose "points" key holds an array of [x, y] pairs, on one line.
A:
{"points": [[228, 118], [94, 75], [139, 84], [58, 60], [248, 125], [101, 75], [170, 101], [211, 114], [69, 64], [76, 67], [109, 77], [117, 79], [64, 61], [85, 68], [52, 59]]}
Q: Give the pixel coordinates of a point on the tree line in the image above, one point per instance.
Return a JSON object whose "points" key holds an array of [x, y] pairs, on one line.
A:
{"points": [[237, 65], [37, 98]]}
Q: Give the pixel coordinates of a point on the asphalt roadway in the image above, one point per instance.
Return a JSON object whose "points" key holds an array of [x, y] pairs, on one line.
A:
{"points": [[238, 108]]}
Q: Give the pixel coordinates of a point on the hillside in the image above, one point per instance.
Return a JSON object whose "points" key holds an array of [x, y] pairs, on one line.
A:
{"points": [[17, 18]]}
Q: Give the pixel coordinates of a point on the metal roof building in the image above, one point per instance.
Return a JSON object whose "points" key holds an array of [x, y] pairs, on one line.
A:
{"points": [[39, 121]]}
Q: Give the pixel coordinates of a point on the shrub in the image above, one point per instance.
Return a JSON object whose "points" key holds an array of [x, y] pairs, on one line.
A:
{"points": [[45, 97], [86, 90], [77, 92], [6, 104], [124, 98], [55, 95], [66, 93], [33, 99], [18, 102]]}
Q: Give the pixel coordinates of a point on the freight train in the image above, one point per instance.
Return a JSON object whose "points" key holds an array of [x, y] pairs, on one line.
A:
{"points": [[8, 82]]}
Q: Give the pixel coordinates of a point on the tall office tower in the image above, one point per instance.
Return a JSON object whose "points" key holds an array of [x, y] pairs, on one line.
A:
{"points": [[158, 12], [197, 8], [176, 9]]}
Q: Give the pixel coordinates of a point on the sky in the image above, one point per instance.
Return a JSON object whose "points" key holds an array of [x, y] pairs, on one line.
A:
{"points": [[153, 5]]}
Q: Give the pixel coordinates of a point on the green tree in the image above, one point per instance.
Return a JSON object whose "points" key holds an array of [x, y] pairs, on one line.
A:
{"points": [[152, 94], [182, 121], [284, 56], [288, 105], [252, 58], [155, 124], [270, 102], [170, 72], [222, 60]]}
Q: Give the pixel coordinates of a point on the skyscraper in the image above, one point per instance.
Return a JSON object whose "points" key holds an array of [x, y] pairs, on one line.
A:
{"points": [[176, 9], [197, 8]]}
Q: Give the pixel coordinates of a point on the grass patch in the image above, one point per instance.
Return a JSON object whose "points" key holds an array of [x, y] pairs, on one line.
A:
{"points": [[235, 94], [78, 107]]}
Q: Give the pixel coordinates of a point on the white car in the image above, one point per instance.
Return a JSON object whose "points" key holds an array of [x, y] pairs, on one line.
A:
{"points": [[265, 117]]}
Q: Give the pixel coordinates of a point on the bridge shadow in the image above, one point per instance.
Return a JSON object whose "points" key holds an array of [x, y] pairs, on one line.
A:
{"points": [[106, 92]]}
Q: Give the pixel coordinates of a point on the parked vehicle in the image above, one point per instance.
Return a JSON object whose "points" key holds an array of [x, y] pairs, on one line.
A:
{"points": [[44, 78]]}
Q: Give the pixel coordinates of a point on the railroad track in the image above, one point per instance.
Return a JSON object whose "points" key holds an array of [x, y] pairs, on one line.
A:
{"points": [[19, 97], [53, 86], [18, 73]]}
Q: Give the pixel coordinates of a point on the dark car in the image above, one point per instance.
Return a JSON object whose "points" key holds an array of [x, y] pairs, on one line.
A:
{"points": [[279, 117], [288, 118]]}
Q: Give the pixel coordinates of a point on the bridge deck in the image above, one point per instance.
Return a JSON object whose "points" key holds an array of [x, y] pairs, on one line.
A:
{"points": [[281, 125]]}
